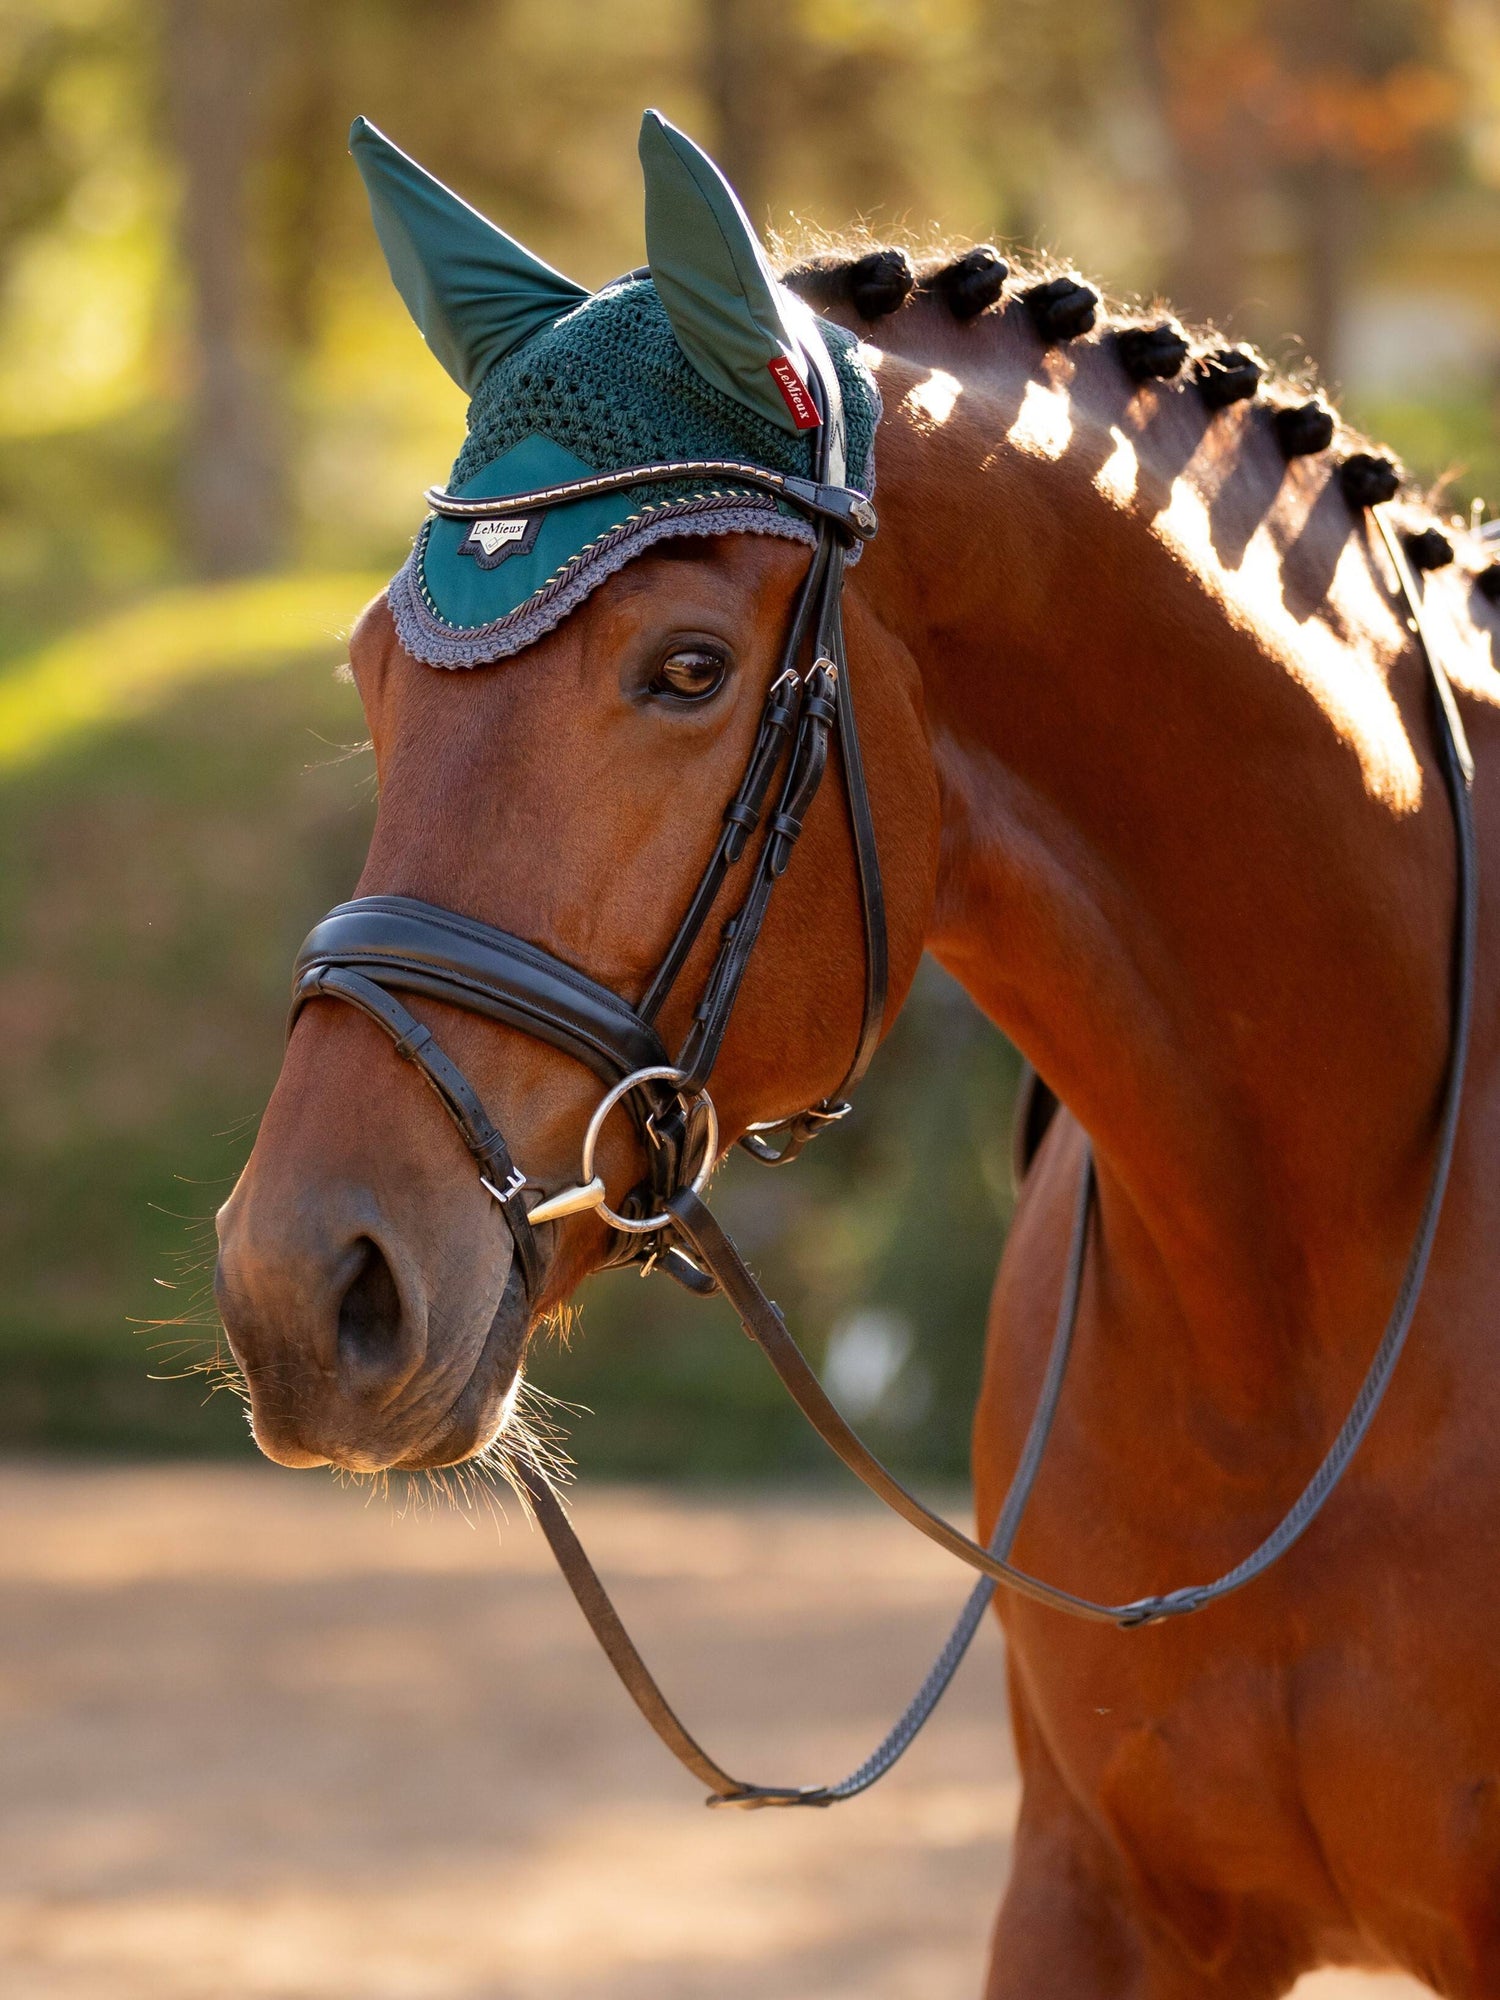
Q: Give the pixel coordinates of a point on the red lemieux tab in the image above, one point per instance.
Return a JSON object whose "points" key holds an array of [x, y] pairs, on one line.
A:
{"points": [[794, 393]]}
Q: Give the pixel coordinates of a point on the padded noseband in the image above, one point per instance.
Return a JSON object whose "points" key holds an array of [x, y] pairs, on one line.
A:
{"points": [[409, 946]]}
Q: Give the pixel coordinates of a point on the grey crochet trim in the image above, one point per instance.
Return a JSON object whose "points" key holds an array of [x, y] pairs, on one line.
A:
{"points": [[431, 639]]}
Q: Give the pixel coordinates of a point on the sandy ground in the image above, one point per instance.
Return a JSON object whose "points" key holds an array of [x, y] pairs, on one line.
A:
{"points": [[263, 1740]]}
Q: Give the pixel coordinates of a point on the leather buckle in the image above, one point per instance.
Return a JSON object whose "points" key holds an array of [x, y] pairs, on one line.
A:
{"points": [[511, 1189]]}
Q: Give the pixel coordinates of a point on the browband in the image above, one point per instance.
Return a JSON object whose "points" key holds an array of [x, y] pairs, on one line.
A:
{"points": [[843, 507]]}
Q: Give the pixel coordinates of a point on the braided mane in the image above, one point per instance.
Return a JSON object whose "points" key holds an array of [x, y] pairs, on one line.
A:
{"points": [[874, 283]]}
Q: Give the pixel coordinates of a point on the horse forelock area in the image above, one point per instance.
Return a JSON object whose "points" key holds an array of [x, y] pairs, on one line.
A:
{"points": [[1249, 477]]}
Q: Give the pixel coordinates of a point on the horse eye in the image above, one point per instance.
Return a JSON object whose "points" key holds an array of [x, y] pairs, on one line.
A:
{"points": [[692, 673]]}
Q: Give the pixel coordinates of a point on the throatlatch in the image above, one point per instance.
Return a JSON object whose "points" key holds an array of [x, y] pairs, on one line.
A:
{"points": [[367, 951]]}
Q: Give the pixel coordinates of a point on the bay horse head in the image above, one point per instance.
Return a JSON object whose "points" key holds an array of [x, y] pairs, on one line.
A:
{"points": [[601, 700]]}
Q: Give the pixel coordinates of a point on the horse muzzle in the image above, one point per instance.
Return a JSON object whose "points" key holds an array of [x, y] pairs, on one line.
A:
{"points": [[350, 1355]]}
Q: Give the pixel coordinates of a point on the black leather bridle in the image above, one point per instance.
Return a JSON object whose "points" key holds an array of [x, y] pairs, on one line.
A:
{"points": [[366, 952]]}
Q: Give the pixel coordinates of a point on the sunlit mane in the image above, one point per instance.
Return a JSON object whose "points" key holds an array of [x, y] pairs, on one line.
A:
{"points": [[881, 284], [1336, 655]]}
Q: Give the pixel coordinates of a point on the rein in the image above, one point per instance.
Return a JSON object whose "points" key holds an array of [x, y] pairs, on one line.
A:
{"points": [[367, 951]]}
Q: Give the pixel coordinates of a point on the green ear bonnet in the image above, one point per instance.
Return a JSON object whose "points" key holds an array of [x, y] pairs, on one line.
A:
{"points": [[686, 362]]}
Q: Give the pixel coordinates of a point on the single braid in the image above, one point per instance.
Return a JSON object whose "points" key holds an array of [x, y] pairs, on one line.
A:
{"points": [[1228, 375], [1062, 308], [1369, 478], [1152, 353], [972, 283], [1304, 428]]}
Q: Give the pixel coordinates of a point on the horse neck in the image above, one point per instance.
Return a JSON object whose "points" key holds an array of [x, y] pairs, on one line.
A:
{"points": [[1196, 856]]}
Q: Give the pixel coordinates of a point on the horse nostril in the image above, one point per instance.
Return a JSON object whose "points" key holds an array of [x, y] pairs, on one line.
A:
{"points": [[370, 1315]]}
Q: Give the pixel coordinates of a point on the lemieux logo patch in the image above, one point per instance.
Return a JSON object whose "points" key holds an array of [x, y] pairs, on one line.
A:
{"points": [[794, 393], [493, 542]]}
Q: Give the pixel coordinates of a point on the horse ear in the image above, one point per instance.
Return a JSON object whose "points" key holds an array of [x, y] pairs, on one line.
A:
{"points": [[711, 274], [473, 290]]}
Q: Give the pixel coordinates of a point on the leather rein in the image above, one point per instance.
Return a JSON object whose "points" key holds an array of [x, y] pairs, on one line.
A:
{"points": [[368, 951]]}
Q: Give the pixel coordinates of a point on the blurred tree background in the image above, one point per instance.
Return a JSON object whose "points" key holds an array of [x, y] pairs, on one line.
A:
{"points": [[215, 420]]}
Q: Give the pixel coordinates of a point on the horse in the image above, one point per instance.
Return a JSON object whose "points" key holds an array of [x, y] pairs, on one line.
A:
{"points": [[1150, 759]]}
